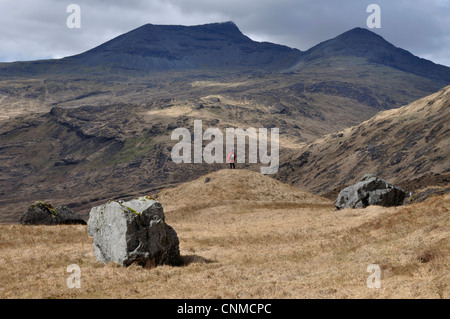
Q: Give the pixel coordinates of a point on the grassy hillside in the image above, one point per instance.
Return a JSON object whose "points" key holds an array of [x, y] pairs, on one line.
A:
{"points": [[400, 145]]}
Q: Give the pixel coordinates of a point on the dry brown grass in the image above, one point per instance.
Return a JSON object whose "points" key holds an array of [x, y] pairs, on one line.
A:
{"points": [[247, 248]]}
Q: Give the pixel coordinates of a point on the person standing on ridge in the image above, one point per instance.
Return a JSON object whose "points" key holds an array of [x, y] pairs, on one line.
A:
{"points": [[232, 158]]}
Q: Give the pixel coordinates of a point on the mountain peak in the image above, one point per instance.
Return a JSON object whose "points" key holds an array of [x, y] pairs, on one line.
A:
{"points": [[366, 44], [224, 25], [359, 31], [355, 42], [361, 38]]}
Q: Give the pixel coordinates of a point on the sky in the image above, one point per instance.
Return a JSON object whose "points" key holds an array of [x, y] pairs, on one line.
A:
{"points": [[37, 29]]}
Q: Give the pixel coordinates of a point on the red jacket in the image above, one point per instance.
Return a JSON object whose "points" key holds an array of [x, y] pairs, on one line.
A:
{"points": [[231, 158]]}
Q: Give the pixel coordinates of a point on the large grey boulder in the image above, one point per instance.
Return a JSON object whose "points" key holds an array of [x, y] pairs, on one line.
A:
{"points": [[371, 190], [133, 232]]}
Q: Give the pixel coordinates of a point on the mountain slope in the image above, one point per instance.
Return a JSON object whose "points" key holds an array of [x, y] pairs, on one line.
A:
{"points": [[168, 47], [398, 145], [366, 44]]}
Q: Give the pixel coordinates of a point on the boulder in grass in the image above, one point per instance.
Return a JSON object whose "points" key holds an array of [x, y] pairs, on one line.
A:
{"points": [[371, 190], [133, 232], [40, 213]]}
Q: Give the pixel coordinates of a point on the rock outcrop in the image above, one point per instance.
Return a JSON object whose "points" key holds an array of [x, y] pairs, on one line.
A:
{"points": [[371, 190], [40, 213], [133, 232]]}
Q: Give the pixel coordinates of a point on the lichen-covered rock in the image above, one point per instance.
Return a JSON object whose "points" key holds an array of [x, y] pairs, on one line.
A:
{"points": [[371, 190], [40, 213], [133, 232]]}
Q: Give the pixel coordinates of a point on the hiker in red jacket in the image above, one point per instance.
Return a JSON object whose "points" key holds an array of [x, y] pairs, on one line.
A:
{"points": [[232, 158]]}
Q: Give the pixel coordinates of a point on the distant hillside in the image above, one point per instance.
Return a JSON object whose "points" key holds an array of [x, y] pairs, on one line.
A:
{"points": [[357, 73], [222, 47], [398, 145]]}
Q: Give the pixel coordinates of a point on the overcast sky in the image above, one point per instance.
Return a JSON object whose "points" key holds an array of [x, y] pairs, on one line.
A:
{"points": [[36, 29]]}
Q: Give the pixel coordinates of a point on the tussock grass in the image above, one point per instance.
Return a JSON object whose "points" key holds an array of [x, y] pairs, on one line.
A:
{"points": [[248, 249]]}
